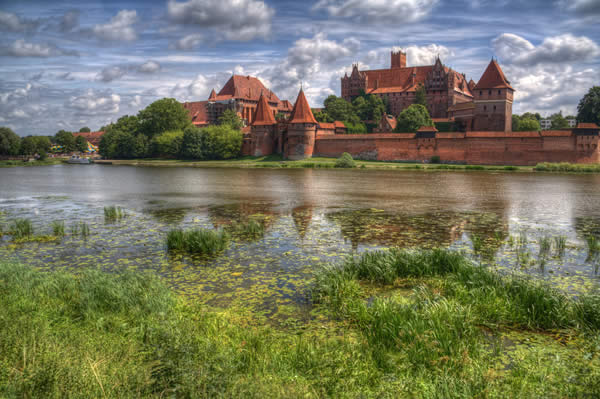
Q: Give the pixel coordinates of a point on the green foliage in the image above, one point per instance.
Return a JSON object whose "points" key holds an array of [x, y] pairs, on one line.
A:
{"points": [[113, 214], [81, 144], [66, 140], [201, 241], [252, 229], [421, 96], [162, 116], [588, 109], [345, 161], [21, 228], [58, 228], [31, 145], [567, 167], [192, 144], [529, 125], [167, 144], [10, 143], [85, 129], [435, 159], [558, 121], [221, 142], [369, 108], [412, 118], [231, 118], [323, 116]]}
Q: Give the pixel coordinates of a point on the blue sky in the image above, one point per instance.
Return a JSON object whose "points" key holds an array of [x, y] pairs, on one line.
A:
{"points": [[68, 64]]}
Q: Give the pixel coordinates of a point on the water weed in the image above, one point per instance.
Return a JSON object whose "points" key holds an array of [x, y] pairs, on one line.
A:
{"points": [[593, 246], [21, 228], [252, 229], [58, 228], [200, 241], [560, 244], [113, 214]]}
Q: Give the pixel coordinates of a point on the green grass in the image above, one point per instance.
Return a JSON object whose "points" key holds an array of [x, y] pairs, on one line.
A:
{"points": [[567, 167], [58, 228], [113, 214], [16, 163], [21, 228], [200, 241]]}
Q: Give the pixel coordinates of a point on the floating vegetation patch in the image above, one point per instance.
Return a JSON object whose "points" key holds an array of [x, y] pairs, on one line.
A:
{"points": [[252, 229], [199, 241]]}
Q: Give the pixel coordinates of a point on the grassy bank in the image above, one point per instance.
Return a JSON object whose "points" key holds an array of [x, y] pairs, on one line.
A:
{"points": [[403, 324], [15, 163]]}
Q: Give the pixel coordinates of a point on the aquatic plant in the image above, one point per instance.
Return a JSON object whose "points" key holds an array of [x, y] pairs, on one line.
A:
{"points": [[85, 230], [560, 243], [75, 229], [252, 229], [477, 243], [21, 228], [58, 228], [545, 245], [113, 213], [200, 241], [567, 167], [593, 245]]}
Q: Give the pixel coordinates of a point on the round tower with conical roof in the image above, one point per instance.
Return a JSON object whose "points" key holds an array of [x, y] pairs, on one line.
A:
{"points": [[262, 130], [301, 131], [493, 98]]}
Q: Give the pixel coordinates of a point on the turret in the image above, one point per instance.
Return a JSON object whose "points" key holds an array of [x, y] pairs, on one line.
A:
{"points": [[263, 129], [398, 59], [493, 98], [301, 131]]}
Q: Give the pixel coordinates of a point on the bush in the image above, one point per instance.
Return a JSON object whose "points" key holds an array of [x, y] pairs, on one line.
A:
{"points": [[435, 159], [345, 161], [167, 144], [221, 142], [192, 144]]}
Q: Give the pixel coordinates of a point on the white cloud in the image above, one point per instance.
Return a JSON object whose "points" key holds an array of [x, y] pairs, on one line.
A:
{"points": [[19, 113], [69, 21], [557, 49], [585, 7], [240, 20], [377, 11], [13, 23], [109, 74], [119, 28], [94, 103], [149, 67], [136, 102], [21, 48], [188, 42]]}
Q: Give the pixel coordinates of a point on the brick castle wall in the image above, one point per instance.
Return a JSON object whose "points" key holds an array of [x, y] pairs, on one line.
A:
{"points": [[489, 148]]}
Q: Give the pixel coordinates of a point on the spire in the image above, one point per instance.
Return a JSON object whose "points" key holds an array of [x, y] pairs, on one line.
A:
{"points": [[493, 78], [302, 112], [213, 95], [263, 114]]}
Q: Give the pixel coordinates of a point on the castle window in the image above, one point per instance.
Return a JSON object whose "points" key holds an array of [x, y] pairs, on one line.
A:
{"points": [[499, 91], [485, 107], [480, 92], [489, 92], [494, 107]]}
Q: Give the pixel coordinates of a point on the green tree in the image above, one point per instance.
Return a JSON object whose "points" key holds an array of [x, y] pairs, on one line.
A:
{"points": [[165, 115], [529, 125], [412, 118], [9, 142], [421, 96], [85, 129], [516, 119], [322, 116], [558, 121], [168, 144], [28, 145], [66, 140], [231, 118], [43, 144], [221, 142], [126, 123], [339, 109], [588, 109], [81, 144], [141, 147], [192, 146], [529, 115]]}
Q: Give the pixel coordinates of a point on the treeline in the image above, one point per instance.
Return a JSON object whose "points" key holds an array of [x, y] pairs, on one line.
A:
{"points": [[164, 130], [13, 145], [359, 116]]}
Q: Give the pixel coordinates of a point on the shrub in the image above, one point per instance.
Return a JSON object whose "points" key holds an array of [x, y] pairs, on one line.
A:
{"points": [[221, 142], [192, 144], [58, 228], [345, 161], [435, 159], [167, 144]]}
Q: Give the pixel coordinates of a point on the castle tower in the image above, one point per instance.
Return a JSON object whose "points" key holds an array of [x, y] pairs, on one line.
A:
{"points": [[398, 59], [355, 83], [262, 130], [302, 130], [493, 98]]}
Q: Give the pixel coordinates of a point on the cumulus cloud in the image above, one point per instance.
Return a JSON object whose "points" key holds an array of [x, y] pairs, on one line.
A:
{"points": [[93, 102], [10, 22], [240, 20], [377, 11], [69, 21], [21, 48], [115, 72], [557, 49], [149, 67], [136, 101], [109, 74], [120, 27], [188, 42]]}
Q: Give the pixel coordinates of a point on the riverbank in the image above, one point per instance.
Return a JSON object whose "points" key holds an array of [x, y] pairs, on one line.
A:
{"points": [[386, 324], [16, 163]]}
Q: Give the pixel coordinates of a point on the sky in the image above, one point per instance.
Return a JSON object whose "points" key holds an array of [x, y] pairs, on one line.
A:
{"points": [[69, 64]]}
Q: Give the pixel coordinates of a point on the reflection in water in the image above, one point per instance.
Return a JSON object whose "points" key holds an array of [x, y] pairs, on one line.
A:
{"points": [[310, 216]]}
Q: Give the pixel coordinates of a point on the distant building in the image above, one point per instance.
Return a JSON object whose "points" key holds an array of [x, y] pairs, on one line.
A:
{"points": [[91, 137], [546, 123]]}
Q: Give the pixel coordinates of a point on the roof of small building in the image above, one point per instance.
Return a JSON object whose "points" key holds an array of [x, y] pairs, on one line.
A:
{"points": [[587, 126], [197, 112], [427, 129], [339, 124], [391, 121], [326, 126], [302, 112], [263, 115], [493, 78]]}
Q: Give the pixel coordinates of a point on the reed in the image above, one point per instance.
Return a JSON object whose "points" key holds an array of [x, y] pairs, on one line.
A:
{"points": [[84, 229], [200, 241], [560, 244], [58, 228], [113, 213], [21, 228], [593, 245], [252, 229], [477, 243], [545, 245]]}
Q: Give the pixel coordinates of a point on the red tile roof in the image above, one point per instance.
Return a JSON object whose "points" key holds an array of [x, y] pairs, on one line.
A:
{"points": [[339, 124], [493, 78], [327, 126], [197, 112], [427, 129], [245, 87], [91, 137], [301, 112], [213, 95], [587, 126], [263, 114]]}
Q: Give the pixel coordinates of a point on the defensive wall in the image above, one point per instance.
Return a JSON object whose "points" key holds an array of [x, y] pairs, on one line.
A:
{"points": [[487, 148]]}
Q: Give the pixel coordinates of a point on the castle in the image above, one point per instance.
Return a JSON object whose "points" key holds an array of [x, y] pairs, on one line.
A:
{"points": [[481, 113]]}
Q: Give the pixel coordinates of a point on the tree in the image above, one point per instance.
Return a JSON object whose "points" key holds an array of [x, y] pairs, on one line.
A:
{"points": [[322, 116], [81, 144], [42, 143], [141, 147], [192, 146], [515, 122], [529, 125], [162, 116], [529, 115], [126, 123], [588, 109], [66, 140], [28, 145], [9, 142], [412, 118], [231, 118], [221, 142], [85, 129], [168, 144], [558, 121], [339, 109], [421, 96]]}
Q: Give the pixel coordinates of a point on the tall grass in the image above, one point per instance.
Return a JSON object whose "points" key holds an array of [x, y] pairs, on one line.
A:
{"points": [[545, 245], [201, 241], [85, 230], [560, 244], [113, 213], [593, 245], [58, 228], [252, 229], [21, 228]]}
